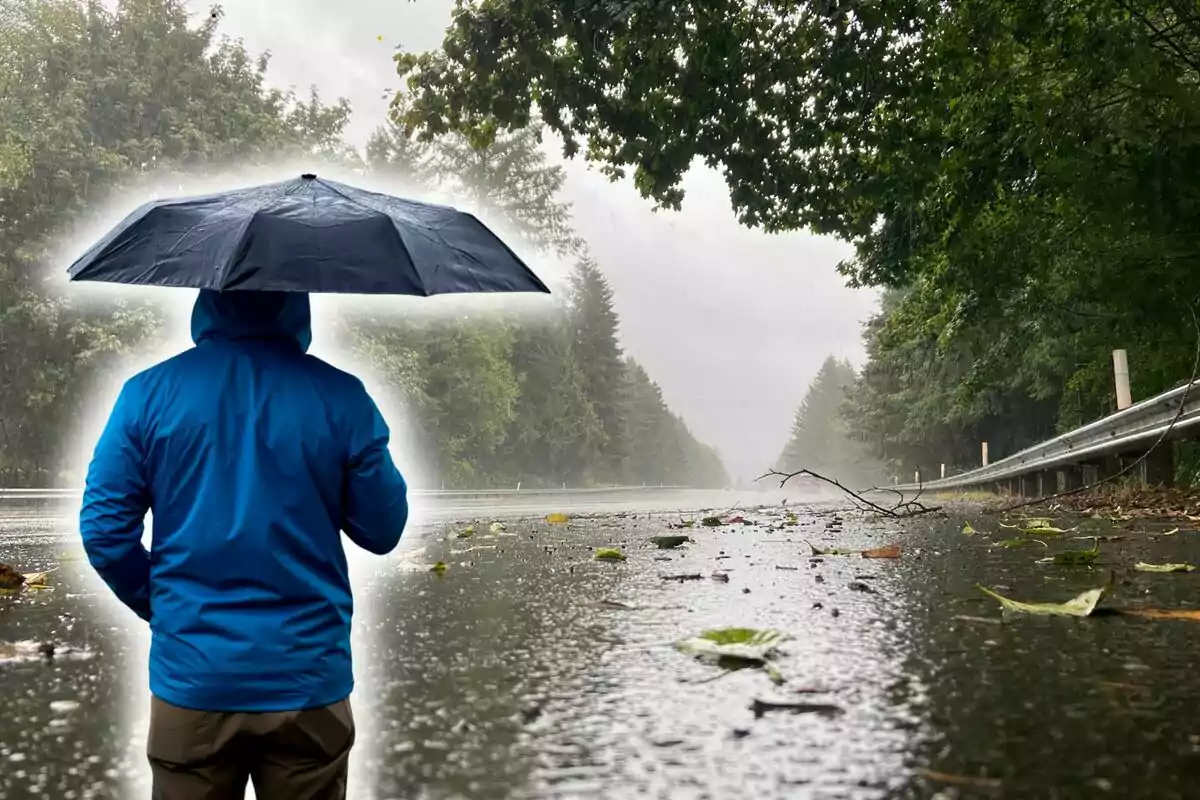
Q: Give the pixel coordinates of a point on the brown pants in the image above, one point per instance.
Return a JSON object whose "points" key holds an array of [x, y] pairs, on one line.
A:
{"points": [[207, 755]]}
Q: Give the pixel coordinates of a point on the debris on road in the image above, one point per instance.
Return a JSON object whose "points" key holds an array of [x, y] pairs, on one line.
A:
{"points": [[1073, 558], [1081, 606], [889, 551], [762, 707], [609, 554], [669, 542], [1142, 566], [736, 648], [13, 582], [681, 578]]}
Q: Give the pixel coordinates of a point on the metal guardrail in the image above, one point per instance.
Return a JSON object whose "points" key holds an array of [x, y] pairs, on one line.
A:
{"points": [[72, 493], [1129, 430]]}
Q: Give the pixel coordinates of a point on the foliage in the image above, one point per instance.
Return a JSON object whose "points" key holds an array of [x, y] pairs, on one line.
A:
{"points": [[561, 393], [94, 101], [820, 439], [1019, 173], [90, 101]]}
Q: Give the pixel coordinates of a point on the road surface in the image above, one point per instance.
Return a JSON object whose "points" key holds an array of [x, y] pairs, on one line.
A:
{"points": [[531, 670]]}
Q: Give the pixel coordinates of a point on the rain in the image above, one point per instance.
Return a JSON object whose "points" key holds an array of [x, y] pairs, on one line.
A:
{"points": [[730, 433]]}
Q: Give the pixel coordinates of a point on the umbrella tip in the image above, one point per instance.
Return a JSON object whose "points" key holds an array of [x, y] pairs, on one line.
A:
{"points": [[308, 176]]}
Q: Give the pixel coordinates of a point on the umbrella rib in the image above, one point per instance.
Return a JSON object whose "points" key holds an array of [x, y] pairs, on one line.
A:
{"points": [[391, 221]]}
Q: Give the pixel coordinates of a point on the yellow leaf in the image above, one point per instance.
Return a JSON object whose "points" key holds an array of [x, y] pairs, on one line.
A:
{"points": [[557, 519]]}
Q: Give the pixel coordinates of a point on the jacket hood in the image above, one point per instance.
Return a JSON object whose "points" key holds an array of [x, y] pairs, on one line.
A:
{"points": [[243, 315]]}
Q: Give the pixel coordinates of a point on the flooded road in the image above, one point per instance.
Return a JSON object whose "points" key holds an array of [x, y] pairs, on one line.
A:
{"points": [[530, 670]]}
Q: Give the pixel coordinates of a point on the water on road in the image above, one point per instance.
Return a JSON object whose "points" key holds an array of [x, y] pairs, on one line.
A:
{"points": [[530, 670]]}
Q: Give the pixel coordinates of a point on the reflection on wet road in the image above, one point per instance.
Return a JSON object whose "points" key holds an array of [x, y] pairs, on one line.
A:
{"points": [[530, 670]]}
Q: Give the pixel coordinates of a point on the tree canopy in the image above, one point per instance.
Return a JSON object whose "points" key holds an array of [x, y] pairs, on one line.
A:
{"points": [[1018, 173], [93, 99]]}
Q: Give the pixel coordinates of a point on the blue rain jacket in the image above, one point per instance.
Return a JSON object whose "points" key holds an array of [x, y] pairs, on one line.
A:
{"points": [[251, 456]]}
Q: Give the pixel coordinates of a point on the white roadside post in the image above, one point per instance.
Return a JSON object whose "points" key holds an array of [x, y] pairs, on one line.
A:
{"points": [[1121, 375]]}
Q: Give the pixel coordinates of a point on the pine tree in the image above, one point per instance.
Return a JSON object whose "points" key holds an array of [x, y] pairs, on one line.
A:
{"points": [[598, 352], [819, 439]]}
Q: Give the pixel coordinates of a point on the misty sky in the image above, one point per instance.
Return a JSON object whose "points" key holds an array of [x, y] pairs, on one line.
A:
{"points": [[731, 323]]}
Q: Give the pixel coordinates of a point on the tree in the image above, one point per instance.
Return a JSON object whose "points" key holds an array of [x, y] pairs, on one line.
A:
{"points": [[1021, 170], [661, 448], [598, 353], [820, 439], [92, 100]]}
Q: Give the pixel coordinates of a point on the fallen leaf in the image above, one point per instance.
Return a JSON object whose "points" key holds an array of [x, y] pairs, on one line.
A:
{"points": [[467, 532], [668, 542], [1081, 606], [890, 551], [10, 579], [609, 554], [1190, 614], [557, 519], [711, 522], [37, 580], [1142, 566], [439, 567], [1045, 530], [1073, 558], [497, 527], [968, 530], [734, 647], [1019, 542], [833, 551], [959, 780]]}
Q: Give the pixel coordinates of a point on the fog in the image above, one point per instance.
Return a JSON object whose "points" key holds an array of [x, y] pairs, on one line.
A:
{"points": [[731, 323]]}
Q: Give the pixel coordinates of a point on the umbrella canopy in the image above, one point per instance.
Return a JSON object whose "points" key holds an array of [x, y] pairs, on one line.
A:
{"points": [[306, 235]]}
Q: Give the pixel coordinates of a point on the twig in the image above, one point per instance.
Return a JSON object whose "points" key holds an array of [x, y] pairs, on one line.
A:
{"points": [[904, 508], [1137, 462]]}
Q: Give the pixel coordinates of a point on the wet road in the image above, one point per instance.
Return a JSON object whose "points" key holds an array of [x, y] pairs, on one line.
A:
{"points": [[530, 670]]}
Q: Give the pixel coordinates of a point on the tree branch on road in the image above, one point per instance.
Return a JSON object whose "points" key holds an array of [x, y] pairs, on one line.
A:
{"points": [[903, 508]]}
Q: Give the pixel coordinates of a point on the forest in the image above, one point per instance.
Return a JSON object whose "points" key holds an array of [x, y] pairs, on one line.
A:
{"points": [[94, 100], [1018, 177]]}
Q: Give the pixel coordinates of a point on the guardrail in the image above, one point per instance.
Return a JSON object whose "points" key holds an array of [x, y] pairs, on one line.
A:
{"points": [[71, 493], [1127, 431]]}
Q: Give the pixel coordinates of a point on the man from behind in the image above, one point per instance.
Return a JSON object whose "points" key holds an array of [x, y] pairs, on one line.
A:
{"points": [[253, 458]]}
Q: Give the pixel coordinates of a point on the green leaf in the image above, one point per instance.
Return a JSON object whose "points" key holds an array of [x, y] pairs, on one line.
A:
{"points": [[1074, 558], [497, 527], [830, 551], [968, 530], [711, 522], [1080, 606], [1142, 566], [439, 567], [751, 645], [467, 532], [1018, 542], [609, 554]]}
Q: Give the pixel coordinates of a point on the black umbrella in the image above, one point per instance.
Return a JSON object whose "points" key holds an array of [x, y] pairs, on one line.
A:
{"points": [[306, 235]]}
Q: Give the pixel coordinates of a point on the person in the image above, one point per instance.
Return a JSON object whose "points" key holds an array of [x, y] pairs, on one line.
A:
{"points": [[251, 456]]}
